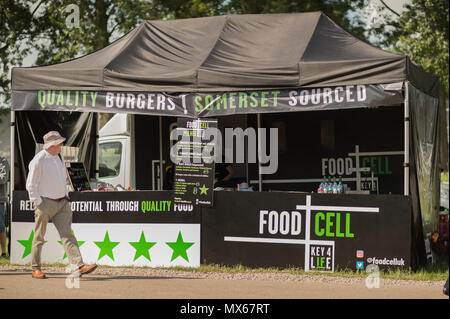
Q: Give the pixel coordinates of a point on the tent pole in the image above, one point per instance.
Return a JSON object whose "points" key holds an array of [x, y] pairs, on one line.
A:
{"points": [[407, 137], [97, 138], [161, 166], [12, 157], [11, 175], [259, 153]]}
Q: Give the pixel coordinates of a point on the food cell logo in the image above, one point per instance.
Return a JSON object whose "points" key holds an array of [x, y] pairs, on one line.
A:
{"points": [[360, 254], [359, 265]]}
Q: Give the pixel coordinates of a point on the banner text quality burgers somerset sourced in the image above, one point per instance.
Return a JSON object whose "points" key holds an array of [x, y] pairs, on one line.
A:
{"points": [[199, 103]]}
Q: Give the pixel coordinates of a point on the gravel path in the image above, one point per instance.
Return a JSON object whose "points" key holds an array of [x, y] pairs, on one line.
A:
{"points": [[16, 282]]}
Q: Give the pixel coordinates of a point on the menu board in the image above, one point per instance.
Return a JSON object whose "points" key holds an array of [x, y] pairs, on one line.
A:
{"points": [[194, 167], [78, 177]]}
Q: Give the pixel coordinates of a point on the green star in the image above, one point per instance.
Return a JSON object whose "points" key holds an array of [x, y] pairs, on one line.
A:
{"points": [[80, 243], [203, 189], [179, 248], [106, 247], [142, 247], [27, 244]]}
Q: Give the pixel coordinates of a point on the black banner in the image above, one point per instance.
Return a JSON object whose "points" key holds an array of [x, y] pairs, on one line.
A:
{"points": [[319, 232], [310, 231], [116, 207], [209, 104]]}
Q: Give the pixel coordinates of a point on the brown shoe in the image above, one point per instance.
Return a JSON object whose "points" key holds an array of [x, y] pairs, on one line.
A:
{"points": [[85, 269], [38, 274]]}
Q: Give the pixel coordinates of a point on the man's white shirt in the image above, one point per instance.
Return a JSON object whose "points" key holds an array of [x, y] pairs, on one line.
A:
{"points": [[46, 177]]}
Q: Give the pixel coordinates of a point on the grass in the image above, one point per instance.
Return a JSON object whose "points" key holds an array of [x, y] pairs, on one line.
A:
{"points": [[431, 272]]}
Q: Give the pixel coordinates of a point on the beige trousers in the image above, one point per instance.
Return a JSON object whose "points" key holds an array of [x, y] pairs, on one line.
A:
{"points": [[60, 213]]}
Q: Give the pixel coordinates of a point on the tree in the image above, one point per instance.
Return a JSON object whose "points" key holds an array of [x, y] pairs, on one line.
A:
{"points": [[18, 30], [421, 32], [336, 10]]}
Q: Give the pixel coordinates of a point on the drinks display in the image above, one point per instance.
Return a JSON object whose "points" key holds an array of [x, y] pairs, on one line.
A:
{"points": [[331, 185]]}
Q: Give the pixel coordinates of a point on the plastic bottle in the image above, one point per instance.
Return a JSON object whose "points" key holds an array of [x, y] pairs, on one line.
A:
{"points": [[320, 189], [335, 186], [322, 186], [330, 186], [340, 186]]}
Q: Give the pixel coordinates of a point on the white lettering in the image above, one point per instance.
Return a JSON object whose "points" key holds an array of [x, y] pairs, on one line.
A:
{"points": [[293, 98]]}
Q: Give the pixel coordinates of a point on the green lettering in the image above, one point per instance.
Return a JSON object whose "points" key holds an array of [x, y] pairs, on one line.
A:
{"points": [[253, 97], [68, 99], [93, 98], [275, 97], [319, 262], [338, 226], [386, 161], [365, 163], [329, 224], [264, 99], [84, 97], [372, 163], [208, 101], [242, 100], [60, 99], [347, 227], [50, 97], [41, 98], [380, 171], [224, 101], [76, 98], [168, 205], [318, 230], [218, 101], [197, 101], [232, 101]]}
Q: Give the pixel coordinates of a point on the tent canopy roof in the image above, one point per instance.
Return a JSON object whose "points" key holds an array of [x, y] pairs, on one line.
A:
{"points": [[229, 53]]}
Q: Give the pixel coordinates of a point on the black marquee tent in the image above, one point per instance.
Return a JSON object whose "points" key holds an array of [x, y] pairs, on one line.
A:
{"points": [[229, 53], [235, 64]]}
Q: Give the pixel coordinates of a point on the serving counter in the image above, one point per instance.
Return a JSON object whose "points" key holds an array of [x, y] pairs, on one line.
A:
{"points": [[320, 232]]}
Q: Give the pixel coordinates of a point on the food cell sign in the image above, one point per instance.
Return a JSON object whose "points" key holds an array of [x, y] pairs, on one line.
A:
{"points": [[313, 232]]}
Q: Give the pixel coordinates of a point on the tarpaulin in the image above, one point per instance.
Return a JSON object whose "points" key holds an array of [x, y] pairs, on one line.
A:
{"points": [[237, 53]]}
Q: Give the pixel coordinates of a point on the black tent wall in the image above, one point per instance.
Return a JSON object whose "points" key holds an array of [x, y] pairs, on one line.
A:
{"points": [[30, 126]]}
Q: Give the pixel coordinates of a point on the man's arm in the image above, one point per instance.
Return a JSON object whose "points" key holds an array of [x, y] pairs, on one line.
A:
{"points": [[32, 185]]}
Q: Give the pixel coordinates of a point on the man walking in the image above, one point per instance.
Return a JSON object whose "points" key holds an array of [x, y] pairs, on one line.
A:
{"points": [[46, 186]]}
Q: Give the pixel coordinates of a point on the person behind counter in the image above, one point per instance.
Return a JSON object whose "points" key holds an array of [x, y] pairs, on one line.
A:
{"points": [[224, 174], [46, 186]]}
